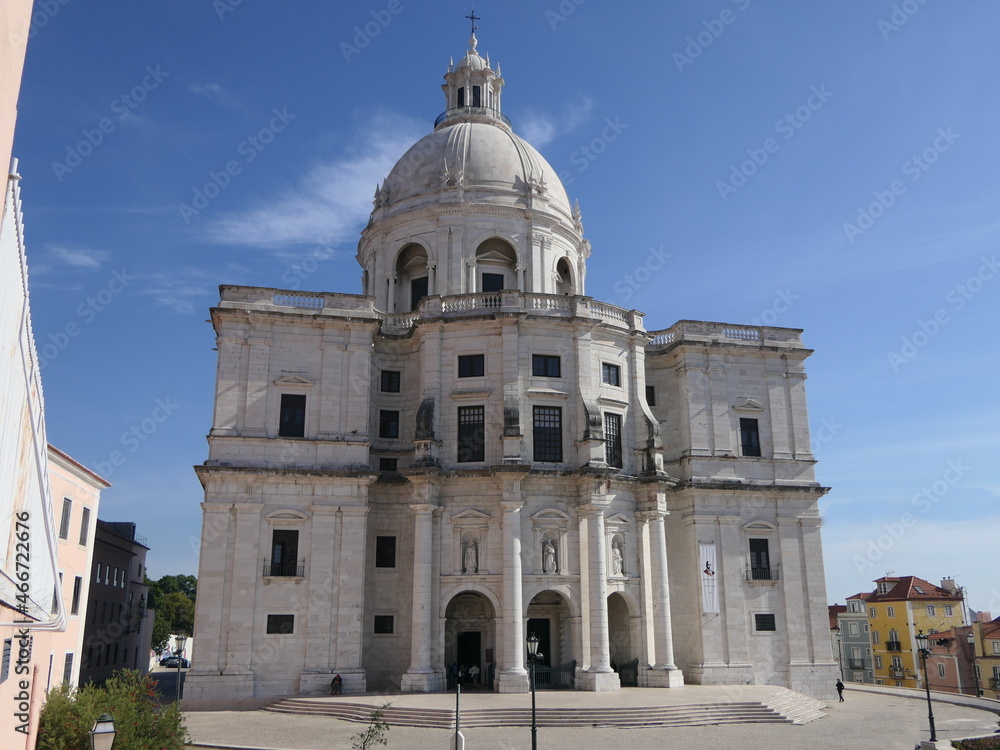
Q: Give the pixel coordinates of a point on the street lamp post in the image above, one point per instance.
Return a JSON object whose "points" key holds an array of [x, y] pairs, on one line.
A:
{"points": [[922, 646], [840, 656], [181, 642], [533, 656], [971, 639], [102, 736]]}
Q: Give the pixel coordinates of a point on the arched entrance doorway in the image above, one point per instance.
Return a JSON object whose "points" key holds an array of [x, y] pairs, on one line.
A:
{"points": [[550, 620], [470, 640], [624, 660]]}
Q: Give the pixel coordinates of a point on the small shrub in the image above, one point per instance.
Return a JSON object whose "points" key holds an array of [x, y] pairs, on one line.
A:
{"points": [[129, 697], [376, 732], [982, 743]]}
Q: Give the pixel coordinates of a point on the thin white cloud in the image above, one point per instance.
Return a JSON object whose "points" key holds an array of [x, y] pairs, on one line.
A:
{"points": [[76, 257], [333, 199], [215, 93], [541, 128]]}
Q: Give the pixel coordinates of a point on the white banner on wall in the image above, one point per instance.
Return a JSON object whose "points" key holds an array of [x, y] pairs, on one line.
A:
{"points": [[709, 583]]}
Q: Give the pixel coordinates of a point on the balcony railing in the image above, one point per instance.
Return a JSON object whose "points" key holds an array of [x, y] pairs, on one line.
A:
{"points": [[893, 646], [994, 683], [470, 112], [856, 663], [284, 570], [897, 672], [755, 573]]}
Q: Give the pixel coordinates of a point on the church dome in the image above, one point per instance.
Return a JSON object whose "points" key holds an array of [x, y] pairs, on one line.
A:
{"points": [[483, 158]]}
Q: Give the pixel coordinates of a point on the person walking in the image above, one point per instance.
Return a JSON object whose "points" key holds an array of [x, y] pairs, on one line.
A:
{"points": [[840, 690]]}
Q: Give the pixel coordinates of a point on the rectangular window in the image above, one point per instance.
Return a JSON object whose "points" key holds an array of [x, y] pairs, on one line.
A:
{"points": [[292, 420], [941, 672], [385, 552], [760, 560], [749, 437], [477, 96], [878, 662], [284, 553], [492, 282], [418, 290], [115, 579], [879, 681], [5, 664], [613, 440], [996, 647], [77, 586], [764, 622], [948, 611], [67, 512], [471, 366], [546, 366], [871, 612], [388, 423], [547, 434], [875, 637], [471, 433], [611, 374], [280, 624], [388, 464], [461, 96], [931, 611], [384, 624], [56, 595], [853, 629], [897, 662], [390, 381], [115, 660], [98, 578], [651, 395], [890, 612], [85, 526]]}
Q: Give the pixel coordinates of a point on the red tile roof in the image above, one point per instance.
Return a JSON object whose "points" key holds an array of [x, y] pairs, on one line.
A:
{"points": [[863, 596], [992, 629], [905, 589], [833, 610]]}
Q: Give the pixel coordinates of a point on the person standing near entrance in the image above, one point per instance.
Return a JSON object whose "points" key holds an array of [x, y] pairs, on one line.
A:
{"points": [[840, 690], [474, 675]]}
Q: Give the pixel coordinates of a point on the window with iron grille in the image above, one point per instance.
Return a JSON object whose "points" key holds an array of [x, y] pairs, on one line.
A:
{"points": [[760, 560], [390, 381], [292, 417], [749, 437], [284, 553], [471, 366], [613, 440], [385, 552], [280, 624], [764, 622], [384, 624], [471, 433], [547, 434], [546, 366], [611, 374], [388, 423]]}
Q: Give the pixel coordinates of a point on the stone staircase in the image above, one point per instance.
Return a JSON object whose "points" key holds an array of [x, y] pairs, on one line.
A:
{"points": [[785, 708]]}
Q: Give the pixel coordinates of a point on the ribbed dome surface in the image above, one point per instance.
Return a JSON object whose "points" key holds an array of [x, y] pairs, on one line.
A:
{"points": [[481, 155]]}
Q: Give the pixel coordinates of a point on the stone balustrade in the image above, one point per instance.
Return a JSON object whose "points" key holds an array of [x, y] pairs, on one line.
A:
{"points": [[706, 332]]}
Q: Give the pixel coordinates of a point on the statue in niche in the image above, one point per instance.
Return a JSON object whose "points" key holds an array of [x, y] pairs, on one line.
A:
{"points": [[470, 560], [617, 560], [549, 564]]}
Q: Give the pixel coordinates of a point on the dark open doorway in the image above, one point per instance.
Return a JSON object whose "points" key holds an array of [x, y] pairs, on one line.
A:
{"points": [[468, 650], [540, 627]]}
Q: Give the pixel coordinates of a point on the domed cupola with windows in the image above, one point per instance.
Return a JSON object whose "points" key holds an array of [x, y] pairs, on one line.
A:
{"points": [[471, 207]]}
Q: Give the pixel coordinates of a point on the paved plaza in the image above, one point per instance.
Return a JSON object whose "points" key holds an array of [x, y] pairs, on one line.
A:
{"points": [[864, 720]]}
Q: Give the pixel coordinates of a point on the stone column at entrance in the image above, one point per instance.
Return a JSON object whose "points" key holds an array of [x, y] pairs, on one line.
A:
{"points": [[512, 676], [664, 673], [599, 676], [420, 677]]}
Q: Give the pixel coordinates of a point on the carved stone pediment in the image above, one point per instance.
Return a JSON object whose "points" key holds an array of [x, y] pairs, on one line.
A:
{"points": [[748, 404], [295, 379]]}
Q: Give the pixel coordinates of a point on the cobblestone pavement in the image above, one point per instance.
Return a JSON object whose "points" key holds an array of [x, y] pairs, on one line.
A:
{"points": [[864, 720]]}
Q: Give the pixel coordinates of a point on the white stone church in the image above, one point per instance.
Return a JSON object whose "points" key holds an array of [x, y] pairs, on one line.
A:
{"points": [[473, 450]]}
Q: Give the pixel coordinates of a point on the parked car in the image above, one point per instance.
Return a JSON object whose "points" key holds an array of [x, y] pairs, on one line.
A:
{"points": [[171, 662]]}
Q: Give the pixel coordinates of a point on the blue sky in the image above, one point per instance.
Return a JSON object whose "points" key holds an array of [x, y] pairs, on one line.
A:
{"points": [[824, 166]]}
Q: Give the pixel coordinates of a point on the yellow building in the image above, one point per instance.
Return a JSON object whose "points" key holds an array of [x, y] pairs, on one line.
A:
{"points": [[987, 650], [899, 608]]}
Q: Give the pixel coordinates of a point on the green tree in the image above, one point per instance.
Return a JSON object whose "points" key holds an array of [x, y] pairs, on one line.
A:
{"points": [[129, 697], [376, 732]]}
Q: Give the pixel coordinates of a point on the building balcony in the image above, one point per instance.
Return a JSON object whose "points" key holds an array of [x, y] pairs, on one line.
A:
{"points": [[893, 646], [855, 663], [994, 683], [897, 673], [754, 573], [284, 570]]}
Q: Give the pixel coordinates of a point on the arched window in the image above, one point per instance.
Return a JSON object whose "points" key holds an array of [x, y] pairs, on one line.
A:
{"points": [[564, 283], [496, 264], [411, 277]]}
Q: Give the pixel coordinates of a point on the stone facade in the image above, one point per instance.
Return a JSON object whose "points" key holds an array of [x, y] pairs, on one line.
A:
{"points": [[474, 450]]}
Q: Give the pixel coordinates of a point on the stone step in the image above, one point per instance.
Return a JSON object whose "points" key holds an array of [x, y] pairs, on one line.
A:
{"points": [[684, 715]]}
